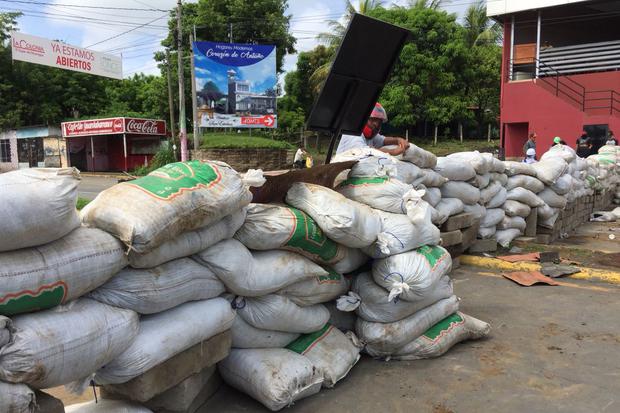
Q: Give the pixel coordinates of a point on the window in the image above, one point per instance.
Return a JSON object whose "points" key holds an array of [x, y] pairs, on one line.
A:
{"points": [[5, 150], [144, 146]]}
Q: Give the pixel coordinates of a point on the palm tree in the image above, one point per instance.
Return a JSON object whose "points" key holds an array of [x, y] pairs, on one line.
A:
{"points": [[479, 28], [428, 4], [333, 38]]}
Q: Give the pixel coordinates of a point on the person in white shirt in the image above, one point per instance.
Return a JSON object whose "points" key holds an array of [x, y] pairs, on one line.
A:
{"points": [[371, 137], [298, 161], [530, 156]]}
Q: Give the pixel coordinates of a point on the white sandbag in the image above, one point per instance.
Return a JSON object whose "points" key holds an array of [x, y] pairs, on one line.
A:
{"points": [[497, 166], [513, 222], [481, 181], [563, 151], [438, 339], [552, 199], [5, 332], [54, 347], [455, 169], [438, 218], [563, 185], [448, 207], [374, 166], [502, 178], [516, 208], [493, 217], [357, 154], [179, 328], [497, 201], [352, 260], [525, 181], [548, 222], [412, 274], [604, 216], [487, 232], [550, 170], [486, 194], [477, 210], [505, 236], [256, 273], [317, 290], [399, 234], [430, 179], [245, 335], [372, 302], [107, 406], [42, 277], [467, 193], [190, 242], [16, 398], [524, 196], [38, 206], [171, 200], [407, 172], [519, 168], [343, 320], [344, 221], [383, 339], [148, 291], [545, 211], [432, 196], [331, 351], [480, 163], [277, 312], [274, 377], [419, 156], [269, 227]]}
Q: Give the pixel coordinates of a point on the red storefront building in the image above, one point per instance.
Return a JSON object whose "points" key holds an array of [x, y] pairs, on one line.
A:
{"points": [[560, 71], [113, 144]]}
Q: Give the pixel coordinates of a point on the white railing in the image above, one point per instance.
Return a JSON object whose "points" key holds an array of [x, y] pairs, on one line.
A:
{"points": [[588, 57]]}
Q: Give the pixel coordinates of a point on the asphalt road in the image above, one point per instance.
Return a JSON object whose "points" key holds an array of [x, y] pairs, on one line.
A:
{"points": [[90, 186]]}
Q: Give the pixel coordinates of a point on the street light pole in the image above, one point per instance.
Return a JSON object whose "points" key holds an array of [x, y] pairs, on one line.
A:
{"points": [[182, 120]]}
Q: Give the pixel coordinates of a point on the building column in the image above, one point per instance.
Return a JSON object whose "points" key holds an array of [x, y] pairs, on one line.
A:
{"points": [[538, 24], [512, 48], [125, 149], [92, 152]]}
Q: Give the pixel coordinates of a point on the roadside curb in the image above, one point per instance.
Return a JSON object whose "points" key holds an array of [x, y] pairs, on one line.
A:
{"points": [[593, 274], [95, 175]]}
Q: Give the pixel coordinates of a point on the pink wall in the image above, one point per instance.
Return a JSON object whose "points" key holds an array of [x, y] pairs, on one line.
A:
{"points": [[597, 81]]}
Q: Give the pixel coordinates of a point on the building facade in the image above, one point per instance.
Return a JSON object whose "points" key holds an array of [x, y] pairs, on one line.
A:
{"points": [[560, 71], [32, 147]]}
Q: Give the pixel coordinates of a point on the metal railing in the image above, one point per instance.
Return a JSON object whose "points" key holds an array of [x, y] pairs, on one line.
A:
{"points": [[606, 99]]}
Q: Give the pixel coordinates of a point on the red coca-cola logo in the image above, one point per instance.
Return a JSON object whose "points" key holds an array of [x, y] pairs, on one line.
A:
{"points": [[142, 126], [117, 126]]}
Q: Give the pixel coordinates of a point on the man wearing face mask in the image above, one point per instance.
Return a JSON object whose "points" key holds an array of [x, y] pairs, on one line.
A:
{"points": [[371, 137]]}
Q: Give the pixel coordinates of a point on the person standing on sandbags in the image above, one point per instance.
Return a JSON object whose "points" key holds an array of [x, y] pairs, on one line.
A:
{"points": [[371, 137]]}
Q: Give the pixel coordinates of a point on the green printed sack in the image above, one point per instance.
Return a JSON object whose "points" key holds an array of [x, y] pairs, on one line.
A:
{"points": [[438, 339], [169, 201]]}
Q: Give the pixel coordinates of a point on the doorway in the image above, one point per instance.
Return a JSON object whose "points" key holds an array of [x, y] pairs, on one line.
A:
{"points": [[30, 152], [514, 138]]}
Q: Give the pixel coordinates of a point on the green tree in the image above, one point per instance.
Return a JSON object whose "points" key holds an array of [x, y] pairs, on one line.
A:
{"points": [[297, 83]]}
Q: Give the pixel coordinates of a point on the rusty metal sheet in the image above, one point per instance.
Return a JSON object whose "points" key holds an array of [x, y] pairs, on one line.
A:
{"points": [[529, 278], [533, 257]]}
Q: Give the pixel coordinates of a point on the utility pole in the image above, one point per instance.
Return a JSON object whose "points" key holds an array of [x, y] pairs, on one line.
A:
{"points": [[170, 96], [194, 98], [229, 32], [182, 126]]}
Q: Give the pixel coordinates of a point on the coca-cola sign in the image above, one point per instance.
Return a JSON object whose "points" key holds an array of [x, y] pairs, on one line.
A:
{"points": [[114, 126], [145, 126]]}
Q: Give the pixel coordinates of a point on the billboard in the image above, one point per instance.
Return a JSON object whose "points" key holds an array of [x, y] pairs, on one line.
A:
{"points": [[235, 85], [112, 126], [47, 52]]}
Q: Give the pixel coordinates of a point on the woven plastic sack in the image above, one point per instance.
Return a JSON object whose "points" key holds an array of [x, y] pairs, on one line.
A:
{"points": [[476, 209], [385, 194], [487, 232], [344, 221], [481, 181], [506, 236], [441, 337], [245, 335], [361, 153], [486, 194], [190, 242], [524, 196], [38, 206], [498, 200], [374, 166], [497, 166], [455, 169], [332, 352], [55, 347], [519, 168], [430, 179], [407, 172], [550, 170], [276, 312], [502, 178], [562, 151], [275, 377], [516, 208], [257, 273], [353, 259], [179, 328], [107, 406], [548, 222], [545, 211], [399, 234], [450, 206], [42, 277], [493, 217], [411, 275], [563, 185], [525, 181], [467, 193], [16, 398], [372, 304], [419, 157], [316, 290], [552, 199], [169, 201], [384, 339], [432, 196], [148, 291], [513, 222], [481, 164]]}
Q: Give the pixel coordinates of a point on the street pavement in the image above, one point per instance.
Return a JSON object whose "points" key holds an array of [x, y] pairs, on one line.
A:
{"points": [[90, 186]]}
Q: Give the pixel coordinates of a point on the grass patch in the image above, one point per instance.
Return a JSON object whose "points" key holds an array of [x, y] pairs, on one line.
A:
{"points": [[81, 203], [448, 146], [241, 141]]}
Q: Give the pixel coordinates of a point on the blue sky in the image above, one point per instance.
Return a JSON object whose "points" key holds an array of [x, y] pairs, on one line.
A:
{"points": [[83, 26]]}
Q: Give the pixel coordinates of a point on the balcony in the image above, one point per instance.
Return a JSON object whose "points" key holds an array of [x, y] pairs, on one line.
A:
{"points": [[588, 57]]}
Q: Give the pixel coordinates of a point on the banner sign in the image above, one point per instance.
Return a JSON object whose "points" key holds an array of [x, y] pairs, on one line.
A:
{"points": [[47, 52], [235, 85], [113, 126]]}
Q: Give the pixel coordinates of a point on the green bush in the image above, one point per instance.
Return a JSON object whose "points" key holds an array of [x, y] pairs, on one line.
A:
{"points": [[163, 157], [81, 203]]}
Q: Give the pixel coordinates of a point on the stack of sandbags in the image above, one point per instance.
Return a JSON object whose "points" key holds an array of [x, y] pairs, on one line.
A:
{"points": [[46, 262], [604, 169], [457, 195]]}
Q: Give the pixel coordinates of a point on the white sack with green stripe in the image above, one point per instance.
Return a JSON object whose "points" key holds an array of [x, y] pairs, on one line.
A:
{"points": [[316, 290]]}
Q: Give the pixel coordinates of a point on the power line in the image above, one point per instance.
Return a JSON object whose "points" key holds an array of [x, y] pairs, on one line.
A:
{"points": [[125, 32], [80, 6]]}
